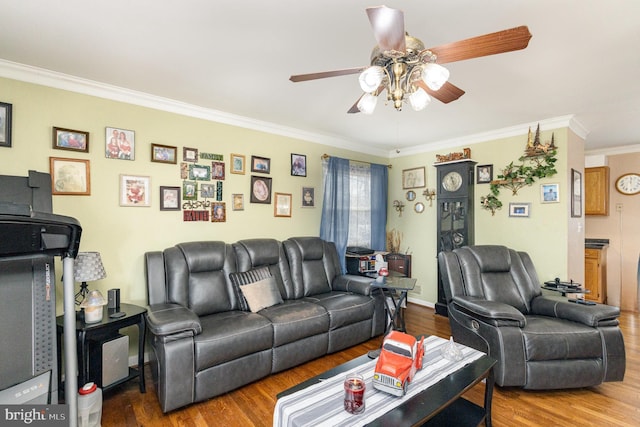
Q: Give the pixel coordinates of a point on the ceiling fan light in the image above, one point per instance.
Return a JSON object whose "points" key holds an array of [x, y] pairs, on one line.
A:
{"points": [[419, 99], [367, 103], [435, 75], [371, 78]]}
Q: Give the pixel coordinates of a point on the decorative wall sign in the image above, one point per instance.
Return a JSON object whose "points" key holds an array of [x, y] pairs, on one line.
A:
{"points": [[189, 215], [210, 156], [218, 191]]}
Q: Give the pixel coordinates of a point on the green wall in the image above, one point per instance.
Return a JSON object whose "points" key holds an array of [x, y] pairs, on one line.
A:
{"points": [[123, 234]]}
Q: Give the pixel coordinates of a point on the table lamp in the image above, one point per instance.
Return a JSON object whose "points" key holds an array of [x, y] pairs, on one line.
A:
{"points": [[87, 268]]}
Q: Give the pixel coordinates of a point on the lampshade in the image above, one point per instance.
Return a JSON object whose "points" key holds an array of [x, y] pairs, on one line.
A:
{"points": [[435, 75], [419, 99], [371, 78], [88, 267], [367, 103]]}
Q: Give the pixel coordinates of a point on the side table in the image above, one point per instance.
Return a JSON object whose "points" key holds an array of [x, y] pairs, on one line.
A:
{"points": [[389, 286], [105, 329]]}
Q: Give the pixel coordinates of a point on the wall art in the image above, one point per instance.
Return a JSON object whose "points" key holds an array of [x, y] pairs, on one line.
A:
{"points": [[576, 194], [135, 190], [237, 202], [282, 205], [218, 212], [549, 193], [519, 209], [120, 144], [237, 164], [70, 177], [5, 124], [69, 139], [413, 178], [164, 154], [308, 197], [484, 174], [260, 190], [169, 198], [217, 170], [200, 172], [298, 165], [189, 154], [260, 164]]}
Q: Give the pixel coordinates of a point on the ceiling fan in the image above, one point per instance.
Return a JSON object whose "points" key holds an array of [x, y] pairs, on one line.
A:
{"points": [[408, 72]]}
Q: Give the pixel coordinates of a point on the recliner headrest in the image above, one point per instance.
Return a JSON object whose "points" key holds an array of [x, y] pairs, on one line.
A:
{"points": [[261, 251], [311, 248], [492, 258], [204, 256]]}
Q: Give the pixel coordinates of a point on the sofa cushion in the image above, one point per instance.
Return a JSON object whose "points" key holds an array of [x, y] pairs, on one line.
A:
{"points": [[344, 308], [261, 294], [548, 338], [244, 278], [294, 320]]}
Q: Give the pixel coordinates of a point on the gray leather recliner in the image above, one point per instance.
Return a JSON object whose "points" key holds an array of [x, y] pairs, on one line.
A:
{"points": [[496, 305]]}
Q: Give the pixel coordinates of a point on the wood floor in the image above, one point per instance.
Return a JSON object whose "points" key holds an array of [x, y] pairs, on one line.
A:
{"points": [[610, 404]]}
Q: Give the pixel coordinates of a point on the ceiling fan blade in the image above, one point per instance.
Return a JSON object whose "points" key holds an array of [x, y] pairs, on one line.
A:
{"points": [[325, 74], [388, 27], [489, 44], [446, 94], [354, 108]]}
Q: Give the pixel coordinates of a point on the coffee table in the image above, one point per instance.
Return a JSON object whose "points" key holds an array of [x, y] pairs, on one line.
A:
{"points": [[439, 405]]}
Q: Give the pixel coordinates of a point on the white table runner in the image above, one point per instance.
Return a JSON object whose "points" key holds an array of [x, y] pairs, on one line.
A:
{"points": [[322, 403]]}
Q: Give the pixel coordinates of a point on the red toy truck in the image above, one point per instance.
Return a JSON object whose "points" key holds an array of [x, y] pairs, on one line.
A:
{"points": [[399, 360]]}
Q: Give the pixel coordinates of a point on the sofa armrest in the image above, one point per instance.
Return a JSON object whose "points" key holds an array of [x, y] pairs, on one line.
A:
{"points": [[352, 283], [493, 312], [590, 315], [168, 319]]}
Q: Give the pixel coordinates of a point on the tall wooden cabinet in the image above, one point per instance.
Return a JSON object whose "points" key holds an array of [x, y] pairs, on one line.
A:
{"points": [[595, 274], [596, 190]]}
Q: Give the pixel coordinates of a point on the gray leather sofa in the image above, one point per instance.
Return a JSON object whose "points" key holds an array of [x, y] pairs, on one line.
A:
{"points": [[205, 339], [496, 305]]}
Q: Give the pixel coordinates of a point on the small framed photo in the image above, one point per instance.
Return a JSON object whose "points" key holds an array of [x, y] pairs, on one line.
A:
{"points": [[549, 193], [414, 178], [237, 202], [69, 139], [282, 205], [576, 193], [520, 210], [164, 154], [200, 172], [120, 143], [169, 198], [308, 197], [298, 165], [70, 177], [135, 190], [237, 164], [218, 212], [260, 164], [260, 190], [484, 174], [207, 191], [189, 154], [189, 190], [217, 170], [5, 124]]}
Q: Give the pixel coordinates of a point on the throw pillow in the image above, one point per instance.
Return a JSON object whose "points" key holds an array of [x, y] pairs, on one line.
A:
{"points": [[261, 294], [244, 278]]}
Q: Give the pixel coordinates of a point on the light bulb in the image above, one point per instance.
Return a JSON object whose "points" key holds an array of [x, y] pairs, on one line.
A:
{"points": [[419, 99], [367, 103], [435, 75], [371, 78]]}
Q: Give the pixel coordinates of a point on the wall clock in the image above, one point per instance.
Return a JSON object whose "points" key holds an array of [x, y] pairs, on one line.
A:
{"points": [[452, 181], [628, 184]]}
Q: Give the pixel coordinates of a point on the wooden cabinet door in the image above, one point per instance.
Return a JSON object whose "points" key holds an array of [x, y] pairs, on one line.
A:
{"points": [[595, 279], [596, 190]]}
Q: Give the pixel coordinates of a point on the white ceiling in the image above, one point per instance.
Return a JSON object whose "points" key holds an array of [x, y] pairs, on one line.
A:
{"points": [[236, 57]]}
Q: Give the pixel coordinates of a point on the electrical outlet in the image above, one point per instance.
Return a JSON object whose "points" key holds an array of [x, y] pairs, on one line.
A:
{"points": [[618, 207]]}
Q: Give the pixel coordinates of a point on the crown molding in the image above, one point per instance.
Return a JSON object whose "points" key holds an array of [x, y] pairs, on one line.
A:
{"points": [[44, 77], [612, 151]]}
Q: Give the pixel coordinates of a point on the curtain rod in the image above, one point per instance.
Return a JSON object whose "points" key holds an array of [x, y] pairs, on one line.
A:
{"points": [[326, 157]]}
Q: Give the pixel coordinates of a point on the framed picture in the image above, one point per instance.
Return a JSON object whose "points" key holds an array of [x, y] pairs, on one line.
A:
{"points": [[413, 178], [5, 124], [576, 194], [260, 164], [169, 198], [519, 209], [260, 190], [207, 191], [549, 193], [308, 197], [237, 202], [189, 154], [135, 190], [484, 174], [70, 177], [298, 165], [282, 205], [69, 139], [237, 164], [200, 172], [218, 212], [164, 154], [189, 190], [217, 170], [120, 144]]}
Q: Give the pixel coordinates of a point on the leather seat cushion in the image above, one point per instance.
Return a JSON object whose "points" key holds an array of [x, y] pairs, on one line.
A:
{"points": [[229, 336], [547, 338], [295, 319], [344, 308]]}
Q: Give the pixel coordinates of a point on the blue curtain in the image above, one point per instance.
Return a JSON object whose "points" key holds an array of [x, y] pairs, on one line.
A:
{"points": [[379, 188], [334, 225]]}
